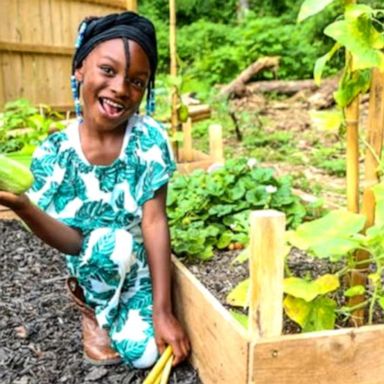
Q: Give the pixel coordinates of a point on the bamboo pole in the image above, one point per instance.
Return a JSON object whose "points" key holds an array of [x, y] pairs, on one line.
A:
{"points": [[375, 134], [173, 72], [216, 143], [266, 265], [132, 5], [352, 124], [187, 151]]}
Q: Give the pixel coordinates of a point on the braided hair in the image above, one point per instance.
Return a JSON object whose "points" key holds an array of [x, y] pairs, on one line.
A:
{"points": [[126, 25]]}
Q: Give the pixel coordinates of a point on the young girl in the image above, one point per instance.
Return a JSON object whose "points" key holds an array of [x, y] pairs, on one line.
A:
{"points": [[99, 197]]}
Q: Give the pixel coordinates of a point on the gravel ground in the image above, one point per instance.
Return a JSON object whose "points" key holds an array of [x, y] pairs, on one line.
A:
{"points": [[40, 338]]}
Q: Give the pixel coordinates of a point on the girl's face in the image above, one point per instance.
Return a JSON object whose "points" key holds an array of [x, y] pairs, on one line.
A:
{"points": [[113, 88]]}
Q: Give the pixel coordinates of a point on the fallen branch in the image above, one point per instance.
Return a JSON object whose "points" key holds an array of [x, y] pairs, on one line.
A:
{"points": [[236, 86], [286, 87]]}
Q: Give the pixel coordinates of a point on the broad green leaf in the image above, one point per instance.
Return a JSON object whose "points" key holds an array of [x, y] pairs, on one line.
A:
{"points": [[331, 233], [297, 310], [335, 248], [360, 38], [327, 120], [322, 61], [326, 283], [300, 288], [240, 317], [239, 296], [311, 7], [313, 316], [322, 315], [224, 240], [354, 11], [357, 290], [309, 290], [351, 85]]}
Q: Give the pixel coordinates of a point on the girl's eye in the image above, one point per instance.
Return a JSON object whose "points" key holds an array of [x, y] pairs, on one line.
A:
{"points": [[107, 70], [138, 84]]}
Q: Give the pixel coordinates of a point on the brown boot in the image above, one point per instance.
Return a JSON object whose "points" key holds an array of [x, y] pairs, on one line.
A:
{"points": [[97, 345]]}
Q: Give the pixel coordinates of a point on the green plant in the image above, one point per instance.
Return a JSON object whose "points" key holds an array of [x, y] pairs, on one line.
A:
{"points": [[210, 210], [360, 32], [315, 302], [23, 126]]}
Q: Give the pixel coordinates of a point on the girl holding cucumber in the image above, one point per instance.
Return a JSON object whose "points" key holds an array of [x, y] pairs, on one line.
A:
{"points": [[99, 197]]}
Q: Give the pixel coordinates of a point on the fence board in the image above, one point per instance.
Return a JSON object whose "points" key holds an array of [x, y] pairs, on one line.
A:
{"points": [[36, 46]]}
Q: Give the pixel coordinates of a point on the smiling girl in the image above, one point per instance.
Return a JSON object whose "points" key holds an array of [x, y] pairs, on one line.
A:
{"points": [[99, 197]]}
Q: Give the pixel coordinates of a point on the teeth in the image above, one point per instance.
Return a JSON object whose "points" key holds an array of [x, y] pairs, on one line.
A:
{"points": [[113, 104]]}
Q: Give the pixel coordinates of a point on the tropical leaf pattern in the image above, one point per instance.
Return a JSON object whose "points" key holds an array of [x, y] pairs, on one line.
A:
{"points": [[105, 203]]}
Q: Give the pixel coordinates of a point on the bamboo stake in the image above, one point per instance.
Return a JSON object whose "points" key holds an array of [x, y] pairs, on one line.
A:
{"points": [[266, 264], [132, 5], [375, 133], [352, 123], [187, 152], [216, 143], [172, 49]]}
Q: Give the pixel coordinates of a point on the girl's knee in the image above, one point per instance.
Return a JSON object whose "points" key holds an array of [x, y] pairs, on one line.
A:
{"points": [[149, 356], [138, 355]]}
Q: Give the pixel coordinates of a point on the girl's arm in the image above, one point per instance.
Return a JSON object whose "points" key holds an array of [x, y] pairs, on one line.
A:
{"points": [[48, 229], [157, 243]]}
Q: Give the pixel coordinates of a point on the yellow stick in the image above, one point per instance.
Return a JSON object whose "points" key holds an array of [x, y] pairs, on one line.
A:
{"points": [[166, 371], [156, 370]]}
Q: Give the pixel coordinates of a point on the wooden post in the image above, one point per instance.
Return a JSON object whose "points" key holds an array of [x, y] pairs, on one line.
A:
{"points": [[132, 5], [187, 152], [216, 143], [375, 133], [266, 266], [174, 93]]}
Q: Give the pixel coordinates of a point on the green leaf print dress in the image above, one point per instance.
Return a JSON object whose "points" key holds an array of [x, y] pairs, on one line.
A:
{"points": [[105, 203]]}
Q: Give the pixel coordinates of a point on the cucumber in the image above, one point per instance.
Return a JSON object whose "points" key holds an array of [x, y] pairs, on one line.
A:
{"points": [[14, 176]]}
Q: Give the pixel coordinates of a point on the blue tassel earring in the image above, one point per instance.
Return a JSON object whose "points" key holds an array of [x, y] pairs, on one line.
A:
{"points": [[150, 107], [75, 84]]}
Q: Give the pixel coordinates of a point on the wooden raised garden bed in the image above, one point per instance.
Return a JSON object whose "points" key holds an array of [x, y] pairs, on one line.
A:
{"points": [[224, 352]]}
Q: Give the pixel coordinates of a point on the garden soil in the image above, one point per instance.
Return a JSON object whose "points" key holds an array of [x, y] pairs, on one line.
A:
{"points": [[40, 336]]}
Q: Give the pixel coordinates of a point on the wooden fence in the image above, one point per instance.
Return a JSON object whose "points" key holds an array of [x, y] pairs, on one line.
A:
{"points": [[36, 44]]}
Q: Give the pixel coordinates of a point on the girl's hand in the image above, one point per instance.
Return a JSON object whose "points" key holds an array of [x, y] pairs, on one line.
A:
{"points": [[13, 201], [168, 331]]}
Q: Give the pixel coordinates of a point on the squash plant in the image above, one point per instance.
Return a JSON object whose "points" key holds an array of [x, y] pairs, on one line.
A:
{"points": [[312, 302], [211, 210]]}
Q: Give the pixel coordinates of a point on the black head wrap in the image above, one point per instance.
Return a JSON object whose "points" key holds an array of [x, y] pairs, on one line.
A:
{"points": [[127, 25]]}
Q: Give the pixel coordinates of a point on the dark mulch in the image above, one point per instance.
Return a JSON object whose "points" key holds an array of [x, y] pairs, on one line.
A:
{"points": [[40, 338]]}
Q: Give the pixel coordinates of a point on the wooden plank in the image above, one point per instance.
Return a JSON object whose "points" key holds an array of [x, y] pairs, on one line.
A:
{"points": [[131, 5], [219, 343], [9, 46], [216, 152], [347, 356], [120, 4]]}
